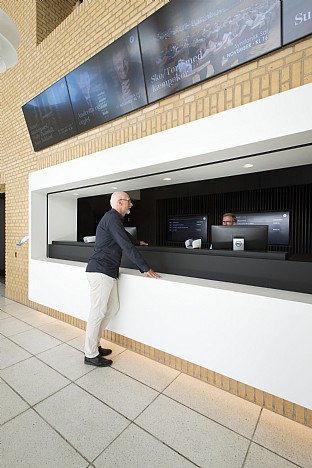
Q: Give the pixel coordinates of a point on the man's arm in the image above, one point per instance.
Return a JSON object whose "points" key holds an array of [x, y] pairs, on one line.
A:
{"points": [[120, 236], [152, 274]]}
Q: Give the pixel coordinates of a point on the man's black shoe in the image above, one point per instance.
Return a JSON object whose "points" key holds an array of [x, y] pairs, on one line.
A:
{"points": [[104, 352], [98, 361]]}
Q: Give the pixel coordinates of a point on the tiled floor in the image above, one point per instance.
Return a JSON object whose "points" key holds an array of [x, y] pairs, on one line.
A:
{"points": [[57, 412]]}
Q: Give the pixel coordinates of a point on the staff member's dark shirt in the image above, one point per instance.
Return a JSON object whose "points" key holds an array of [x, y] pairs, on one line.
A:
{"points": [[111, 240]]}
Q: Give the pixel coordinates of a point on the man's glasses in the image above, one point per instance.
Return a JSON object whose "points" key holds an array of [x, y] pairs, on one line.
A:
{"points": [[126, 199]]}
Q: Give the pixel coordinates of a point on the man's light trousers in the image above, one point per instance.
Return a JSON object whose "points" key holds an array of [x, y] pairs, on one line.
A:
{"points": [[104, 305]]}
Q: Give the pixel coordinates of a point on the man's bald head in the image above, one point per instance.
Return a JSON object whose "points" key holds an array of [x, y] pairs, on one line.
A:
{"points": [[121, 202], [116, 196]]}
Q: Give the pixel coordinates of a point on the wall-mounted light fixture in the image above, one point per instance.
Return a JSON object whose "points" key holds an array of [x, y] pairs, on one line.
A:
{"points": [[9, 42]]}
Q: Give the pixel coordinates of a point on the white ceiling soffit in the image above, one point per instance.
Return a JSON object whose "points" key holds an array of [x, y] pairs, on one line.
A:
{"points": [[272, 133], [297, 156]]}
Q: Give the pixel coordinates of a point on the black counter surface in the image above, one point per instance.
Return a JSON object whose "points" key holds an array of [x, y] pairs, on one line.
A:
{"points": [[264, 269]]}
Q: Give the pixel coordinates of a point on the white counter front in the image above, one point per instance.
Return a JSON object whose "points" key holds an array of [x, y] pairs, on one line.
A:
{"points": [[258, 336]]}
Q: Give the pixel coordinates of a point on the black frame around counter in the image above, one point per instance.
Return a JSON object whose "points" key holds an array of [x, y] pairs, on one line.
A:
{"points": [[264, 269]]}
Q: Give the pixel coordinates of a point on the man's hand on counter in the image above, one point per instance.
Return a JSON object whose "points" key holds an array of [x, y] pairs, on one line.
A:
{"points": [[143, 242], [152, 274]]}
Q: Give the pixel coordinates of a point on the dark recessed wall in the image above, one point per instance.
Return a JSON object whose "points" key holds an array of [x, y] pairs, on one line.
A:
{"points": [[285, 189]]}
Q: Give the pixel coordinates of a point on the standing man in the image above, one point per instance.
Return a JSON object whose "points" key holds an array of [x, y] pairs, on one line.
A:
{"points": [[102, 273], [229, 219]]}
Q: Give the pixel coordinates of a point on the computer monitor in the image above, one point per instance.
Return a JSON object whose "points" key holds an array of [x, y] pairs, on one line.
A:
{"points": [[255, 237], [133, 231], [183, 227], [277, 221]]}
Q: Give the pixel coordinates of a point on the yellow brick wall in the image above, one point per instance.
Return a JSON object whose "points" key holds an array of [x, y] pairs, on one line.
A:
{"points": [[49, 14], [83, 33]]}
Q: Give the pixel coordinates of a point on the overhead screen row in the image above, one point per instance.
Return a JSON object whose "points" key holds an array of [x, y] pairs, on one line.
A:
{"points": [[183, 43]]}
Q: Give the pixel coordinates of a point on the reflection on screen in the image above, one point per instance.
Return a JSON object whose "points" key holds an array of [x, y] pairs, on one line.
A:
{"points": [[89, 93], [187, 42], [124, 71], [49, 116], [108, 85]]}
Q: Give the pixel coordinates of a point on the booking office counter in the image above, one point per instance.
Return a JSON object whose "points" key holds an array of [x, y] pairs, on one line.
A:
{"points": [[257, 335]]}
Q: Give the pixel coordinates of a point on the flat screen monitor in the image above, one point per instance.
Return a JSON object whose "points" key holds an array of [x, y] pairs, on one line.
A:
{"points": [[49, 116], [109, 84], [277, 221], [133, 231], [89, 94], [297, 19], [122, 69], [183, 227], [186, 42], [255, 237]]}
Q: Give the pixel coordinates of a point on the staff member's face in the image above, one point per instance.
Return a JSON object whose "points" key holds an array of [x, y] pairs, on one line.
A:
{"points": [[228, 221]]}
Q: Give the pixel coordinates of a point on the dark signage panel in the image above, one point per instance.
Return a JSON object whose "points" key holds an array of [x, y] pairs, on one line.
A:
{"points": [[122, 66], [186, 42], [183, 43], [183, 227], [89, 94], [297, 19], [108, 85], [278, 222], [49, 116]]}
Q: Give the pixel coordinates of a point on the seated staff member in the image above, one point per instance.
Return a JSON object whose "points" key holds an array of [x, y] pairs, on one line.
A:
{"points": [[229, 219], [102, 272]]}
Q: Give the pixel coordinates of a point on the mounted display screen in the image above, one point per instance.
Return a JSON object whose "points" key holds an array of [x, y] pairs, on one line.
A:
{"points": [[189, 41], [183, 227], [297, 19], [108, 85], [277, 222], [183, 43], [49, 116], [89, 93]]}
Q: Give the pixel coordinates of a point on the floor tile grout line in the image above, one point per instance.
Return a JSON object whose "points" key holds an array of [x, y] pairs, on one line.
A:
{"points": [[101, 401], [38, 327], [252, 441], [101, 453], [33, 407], [256, 425], [16, 415], [61, 435], [277, 454], [191, 409], [207, 417], [160, 392], [252, 436], [142, 383], [105, 403], [164, 443], [154, 437], [132, 421], [32, 355]]}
